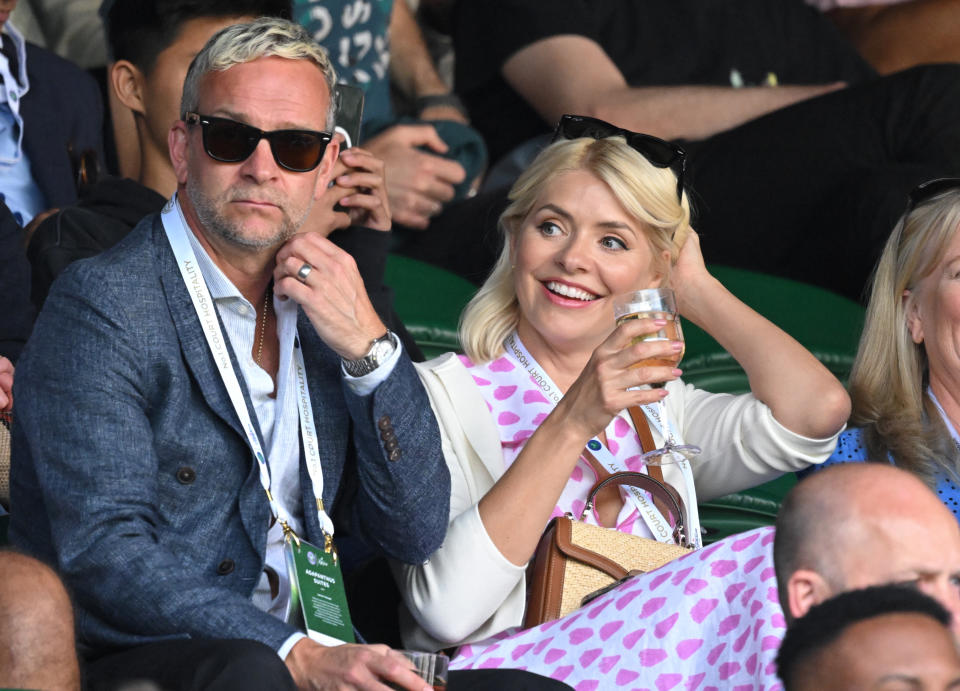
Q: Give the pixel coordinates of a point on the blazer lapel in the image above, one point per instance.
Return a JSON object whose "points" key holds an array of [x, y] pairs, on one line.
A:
{"points": [[466, 400], [196, 353], [193, 343]]}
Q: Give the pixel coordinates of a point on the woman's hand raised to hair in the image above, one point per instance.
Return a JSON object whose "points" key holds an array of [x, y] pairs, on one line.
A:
{"points": [[690, 278]]}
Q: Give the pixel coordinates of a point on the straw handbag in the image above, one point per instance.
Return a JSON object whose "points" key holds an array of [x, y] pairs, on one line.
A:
{"points": [[575, 559]]}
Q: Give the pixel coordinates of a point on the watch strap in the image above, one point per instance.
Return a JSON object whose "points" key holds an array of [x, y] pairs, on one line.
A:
{"points": [[369, 362]]}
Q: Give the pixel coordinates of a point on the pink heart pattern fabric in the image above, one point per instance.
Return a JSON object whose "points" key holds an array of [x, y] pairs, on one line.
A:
{"points": [[707, 621], [518, 407]]}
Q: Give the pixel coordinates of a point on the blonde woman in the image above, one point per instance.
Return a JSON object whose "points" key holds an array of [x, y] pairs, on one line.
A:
{"points": [[905, 382], [601, 213]]}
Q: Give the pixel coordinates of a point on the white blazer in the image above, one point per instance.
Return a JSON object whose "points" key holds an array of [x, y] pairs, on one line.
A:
{"points": [[468, 591]]}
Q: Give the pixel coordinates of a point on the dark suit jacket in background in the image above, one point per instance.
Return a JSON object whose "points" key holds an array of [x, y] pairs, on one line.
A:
{"points": [[16, 312], [61, 112], [117, 393]]}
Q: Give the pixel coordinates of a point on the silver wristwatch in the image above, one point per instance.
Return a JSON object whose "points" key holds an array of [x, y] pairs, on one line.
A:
{"points": [[380, 350]]}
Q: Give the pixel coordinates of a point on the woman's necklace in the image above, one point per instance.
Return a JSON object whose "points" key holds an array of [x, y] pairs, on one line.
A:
{"points": [[263, 326]]}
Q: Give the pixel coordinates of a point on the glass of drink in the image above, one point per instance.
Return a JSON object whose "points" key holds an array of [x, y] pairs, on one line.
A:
{"points": [[657, 303], [652, 303], [432, 667]]}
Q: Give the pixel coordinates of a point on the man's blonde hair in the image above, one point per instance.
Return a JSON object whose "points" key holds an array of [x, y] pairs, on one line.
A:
{"points": [[261, 38]]}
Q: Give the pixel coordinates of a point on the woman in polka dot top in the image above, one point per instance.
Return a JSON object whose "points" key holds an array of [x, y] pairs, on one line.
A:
{"points": [[905, 382]]}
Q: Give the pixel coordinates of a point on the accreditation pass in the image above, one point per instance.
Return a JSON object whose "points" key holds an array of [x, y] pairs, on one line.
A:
{"points": [[317, 584]]}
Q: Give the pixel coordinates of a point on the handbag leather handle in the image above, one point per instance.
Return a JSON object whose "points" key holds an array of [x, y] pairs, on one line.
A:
{"points": [[660, 490]]}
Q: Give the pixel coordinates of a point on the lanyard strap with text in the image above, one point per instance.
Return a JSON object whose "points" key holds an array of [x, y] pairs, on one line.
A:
{"points": [[668, 432], [175, 227], [654, 519]]}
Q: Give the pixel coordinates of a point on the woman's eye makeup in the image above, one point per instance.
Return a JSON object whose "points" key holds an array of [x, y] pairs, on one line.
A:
{"points": [[548, 228], [611, 242]]}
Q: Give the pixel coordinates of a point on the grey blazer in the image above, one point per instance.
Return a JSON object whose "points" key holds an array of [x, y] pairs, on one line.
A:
{"points": [[132, 476]]}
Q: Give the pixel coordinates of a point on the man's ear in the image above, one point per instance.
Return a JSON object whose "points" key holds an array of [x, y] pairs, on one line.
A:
{"points": [[327, 163], [805, 588], [177, 143], [911, 312], [127, 82]]}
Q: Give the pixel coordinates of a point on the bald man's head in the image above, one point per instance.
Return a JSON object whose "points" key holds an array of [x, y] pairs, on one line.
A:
{"points": [[861, 524]]}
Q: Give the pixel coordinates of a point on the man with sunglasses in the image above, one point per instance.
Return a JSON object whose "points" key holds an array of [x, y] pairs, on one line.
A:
{"points": [[151, 45], [200, 395]]}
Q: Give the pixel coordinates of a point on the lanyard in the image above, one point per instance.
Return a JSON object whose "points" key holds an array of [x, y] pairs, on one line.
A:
{"points": [[669, 433], [176, 229], [946, 420], [658, 525]]}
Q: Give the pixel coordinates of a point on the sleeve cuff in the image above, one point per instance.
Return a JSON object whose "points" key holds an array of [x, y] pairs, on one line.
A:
{"points": [[368, 383], [288, 644]]}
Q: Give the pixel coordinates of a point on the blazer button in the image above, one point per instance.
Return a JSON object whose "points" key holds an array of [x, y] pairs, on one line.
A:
{"points": [[388, 435], [186, 475], [395, 455], [225, 567], [391, 445], [384, 422]]}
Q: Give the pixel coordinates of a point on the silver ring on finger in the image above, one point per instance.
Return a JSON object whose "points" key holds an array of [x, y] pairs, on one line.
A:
{"points": [[304, 272]]}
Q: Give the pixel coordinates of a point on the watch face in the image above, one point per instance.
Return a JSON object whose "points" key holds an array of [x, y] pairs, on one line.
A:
{"points": [[382, 350]]}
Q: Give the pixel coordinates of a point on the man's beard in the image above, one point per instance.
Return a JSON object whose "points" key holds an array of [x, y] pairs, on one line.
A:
{"points": [[232, 231]]}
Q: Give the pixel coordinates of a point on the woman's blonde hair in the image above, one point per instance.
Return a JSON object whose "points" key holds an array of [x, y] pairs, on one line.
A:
{"points": [[890, 374], [646, 192]]}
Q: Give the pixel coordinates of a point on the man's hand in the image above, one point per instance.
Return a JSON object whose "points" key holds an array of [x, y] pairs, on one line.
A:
{"points": [[418, 183], [6, 384], [346, 667], [332, 296]]}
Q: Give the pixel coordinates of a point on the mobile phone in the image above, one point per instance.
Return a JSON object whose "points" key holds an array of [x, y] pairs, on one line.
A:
{"points": [[348, 108]]}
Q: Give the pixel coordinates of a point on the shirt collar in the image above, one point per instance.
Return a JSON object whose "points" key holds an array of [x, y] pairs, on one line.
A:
{"points": [[21, 78]]}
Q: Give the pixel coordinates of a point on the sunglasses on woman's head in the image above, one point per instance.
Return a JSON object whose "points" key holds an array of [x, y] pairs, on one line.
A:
{"points": [[229, 141], [660, 153], [930, 189]]}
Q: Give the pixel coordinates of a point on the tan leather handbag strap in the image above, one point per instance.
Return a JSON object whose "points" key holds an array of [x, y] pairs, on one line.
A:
{"points": [[642, 426], [667, 494], [665, 497], [646, 439]]}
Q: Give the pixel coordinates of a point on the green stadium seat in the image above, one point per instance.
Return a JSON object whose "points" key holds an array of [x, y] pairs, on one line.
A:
{"points": [[429, 301]]}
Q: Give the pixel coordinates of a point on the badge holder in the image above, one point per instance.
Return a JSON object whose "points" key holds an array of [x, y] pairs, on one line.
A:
{"points": [[316, 589]]}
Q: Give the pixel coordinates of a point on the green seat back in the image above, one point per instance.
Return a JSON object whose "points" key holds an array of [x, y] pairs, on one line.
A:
{"points": [[429, 301], [827, 324]]}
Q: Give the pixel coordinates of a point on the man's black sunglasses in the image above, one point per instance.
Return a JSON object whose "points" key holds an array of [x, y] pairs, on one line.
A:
{"points": [[929, 189], [230, 141], [662, 154]]}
